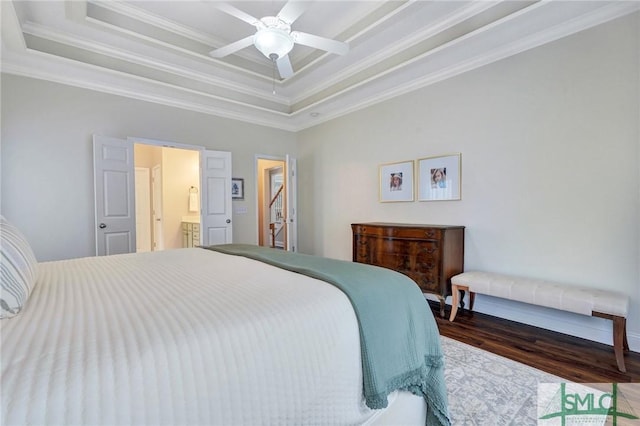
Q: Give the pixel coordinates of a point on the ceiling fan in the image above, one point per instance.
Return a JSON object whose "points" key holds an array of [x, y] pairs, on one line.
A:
{"points": [[274, 38]]}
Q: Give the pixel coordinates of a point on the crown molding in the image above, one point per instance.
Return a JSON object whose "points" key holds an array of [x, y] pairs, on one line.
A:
{"points": [[11, 35], [405, 77], [38, 65], [596, 17], [370, 61], [142, 15], [147, 61], [155, 42]]}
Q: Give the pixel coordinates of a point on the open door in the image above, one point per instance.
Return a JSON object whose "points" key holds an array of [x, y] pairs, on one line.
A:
{"points": [[113, 177], [216, 198], [143, 209], [291, 188], [157, 214], [114, 184]]}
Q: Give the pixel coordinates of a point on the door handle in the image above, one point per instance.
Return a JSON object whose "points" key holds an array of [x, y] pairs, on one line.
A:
{"points": [[102, 226], [228, 220]]}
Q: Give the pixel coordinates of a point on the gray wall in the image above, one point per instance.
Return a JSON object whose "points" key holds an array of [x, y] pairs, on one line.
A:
{"points": [[550, 166], [550, 158], [47, 162]]}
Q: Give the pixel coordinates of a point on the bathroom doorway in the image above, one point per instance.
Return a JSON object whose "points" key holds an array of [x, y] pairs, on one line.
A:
{"points": [[172, 179], [194, 192]]}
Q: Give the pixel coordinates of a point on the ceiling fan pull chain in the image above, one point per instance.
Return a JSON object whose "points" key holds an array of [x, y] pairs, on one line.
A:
{"points": [[273, 57]]}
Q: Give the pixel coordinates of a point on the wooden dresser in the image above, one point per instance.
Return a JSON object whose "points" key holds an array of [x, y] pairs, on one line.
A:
{"points": [[429, 254]]}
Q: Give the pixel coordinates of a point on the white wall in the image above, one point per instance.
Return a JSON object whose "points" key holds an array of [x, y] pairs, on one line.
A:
{"points": [[46, 185], [550, 159]]}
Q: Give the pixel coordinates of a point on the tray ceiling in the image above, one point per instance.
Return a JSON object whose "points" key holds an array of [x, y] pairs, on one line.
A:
{"points": [[158, 50]]}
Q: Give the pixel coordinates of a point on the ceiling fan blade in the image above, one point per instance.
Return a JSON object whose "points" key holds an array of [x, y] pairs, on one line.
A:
{"points": [[318, 42], [284, 67], [235, 12], [232, 48], [292, 11]]}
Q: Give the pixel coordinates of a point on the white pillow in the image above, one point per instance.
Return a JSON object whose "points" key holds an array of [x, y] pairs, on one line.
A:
{"points": [[18, 270]]}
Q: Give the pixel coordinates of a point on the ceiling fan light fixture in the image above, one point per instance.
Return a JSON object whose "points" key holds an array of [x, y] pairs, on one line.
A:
{"points": [[273, 41]]}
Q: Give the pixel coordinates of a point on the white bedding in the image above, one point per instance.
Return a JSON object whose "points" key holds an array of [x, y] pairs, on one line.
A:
{"points": [[186, 336]]}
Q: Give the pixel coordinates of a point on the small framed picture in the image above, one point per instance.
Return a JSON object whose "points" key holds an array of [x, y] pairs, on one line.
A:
{"points": [[237, 189], [439, 178], [396, 182]]}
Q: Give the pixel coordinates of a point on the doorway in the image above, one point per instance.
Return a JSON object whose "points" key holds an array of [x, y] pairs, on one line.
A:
{"points": [[271, 229], [276, 183], [175, 173], [202, 194]]}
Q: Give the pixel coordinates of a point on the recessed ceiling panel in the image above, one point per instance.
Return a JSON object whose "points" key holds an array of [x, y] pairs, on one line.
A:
{"points": [[159, 50]]}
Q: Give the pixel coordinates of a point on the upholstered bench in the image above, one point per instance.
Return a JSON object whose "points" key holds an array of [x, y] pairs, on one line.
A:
{"points": [[581, 300]]}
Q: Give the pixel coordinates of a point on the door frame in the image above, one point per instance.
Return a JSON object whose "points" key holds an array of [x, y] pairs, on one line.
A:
{"points": [[146, 172], [156, 199], [261, 178], [259, 208], [165, 144], [168, 144], [269, 173]]}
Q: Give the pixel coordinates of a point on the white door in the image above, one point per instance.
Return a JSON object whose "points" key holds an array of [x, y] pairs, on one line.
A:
{"points": [[113, 179], [143, 210], [216, 226], [291, 188], [156, 184]]}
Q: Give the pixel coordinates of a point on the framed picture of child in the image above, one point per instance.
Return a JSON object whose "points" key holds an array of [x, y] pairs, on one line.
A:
{"points": [[396, 182], [439, 178]]}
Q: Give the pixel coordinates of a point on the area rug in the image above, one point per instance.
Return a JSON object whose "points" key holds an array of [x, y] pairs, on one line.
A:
{"points": [[487, 389]]}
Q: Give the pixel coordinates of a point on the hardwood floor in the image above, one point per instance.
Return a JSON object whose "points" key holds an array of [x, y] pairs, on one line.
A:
{"points": [[573, 358]]}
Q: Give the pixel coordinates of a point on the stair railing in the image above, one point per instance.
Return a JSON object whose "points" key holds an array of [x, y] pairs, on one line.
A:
{"points": [[276, 206]]}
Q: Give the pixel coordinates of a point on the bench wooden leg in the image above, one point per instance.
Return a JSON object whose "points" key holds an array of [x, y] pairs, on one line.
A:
{"points": [[625, 343], [472, 299], [620, 344], [455, 300]]}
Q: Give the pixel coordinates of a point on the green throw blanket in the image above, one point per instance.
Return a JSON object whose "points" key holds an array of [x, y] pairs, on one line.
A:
{"points": [[398, 335]]}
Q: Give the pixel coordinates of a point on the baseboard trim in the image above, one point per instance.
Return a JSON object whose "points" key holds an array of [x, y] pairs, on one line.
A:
{"points": [[586, 327]]}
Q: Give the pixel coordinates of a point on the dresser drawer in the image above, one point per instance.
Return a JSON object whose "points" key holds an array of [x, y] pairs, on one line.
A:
{"points": [[398, 232], [418, 234], [372, 231]]}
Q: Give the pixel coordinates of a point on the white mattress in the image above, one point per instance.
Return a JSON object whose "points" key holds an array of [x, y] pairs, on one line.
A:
{"points": [[186, 336]]}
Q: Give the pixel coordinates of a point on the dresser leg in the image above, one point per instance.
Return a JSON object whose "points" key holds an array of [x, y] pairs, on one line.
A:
{"points": [[442, 305]]}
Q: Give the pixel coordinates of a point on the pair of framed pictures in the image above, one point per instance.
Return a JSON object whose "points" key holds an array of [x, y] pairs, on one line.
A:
{"points": [[438, 179]]}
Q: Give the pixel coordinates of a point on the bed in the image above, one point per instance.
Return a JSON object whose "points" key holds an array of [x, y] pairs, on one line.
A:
{"points": [[208, 337]]}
